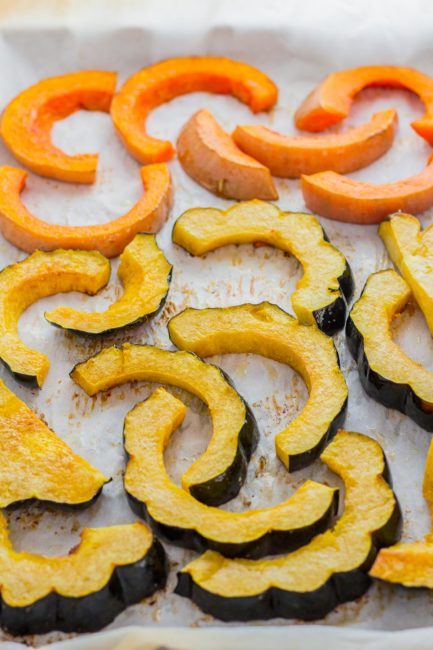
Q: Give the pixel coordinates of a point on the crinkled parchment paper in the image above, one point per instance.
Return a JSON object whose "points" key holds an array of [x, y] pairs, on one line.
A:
{"points": [[297, 46]]}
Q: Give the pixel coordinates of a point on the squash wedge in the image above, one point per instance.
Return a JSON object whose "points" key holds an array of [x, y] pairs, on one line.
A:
{"points": [[344, 199], [176, 516], [110, 569], [291, 156], [27, 122], [309, 582], [163, 81], [330, 102], [208, 154], [267, 330], [28, 232], [321, 295], [38, 276], [217, 476], [145, 275]]}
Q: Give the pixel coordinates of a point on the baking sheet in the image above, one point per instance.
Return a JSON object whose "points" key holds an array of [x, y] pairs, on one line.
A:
{"points": [[296, 49]]}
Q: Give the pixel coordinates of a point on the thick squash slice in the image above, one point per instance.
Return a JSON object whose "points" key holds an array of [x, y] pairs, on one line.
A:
{"points": [[291, 156], [28, 119], [208, 154], [321, 295], [387, 374], [330, 102], [163, 81], [267, 330], [36, 464], [331, 569], [83, 591], [412, 253], [409, 564], [180, 519], [38, 276], [145, 275], [28, 232], [217, 476]]}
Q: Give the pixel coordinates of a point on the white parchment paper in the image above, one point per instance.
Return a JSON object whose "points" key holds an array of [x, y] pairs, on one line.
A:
{"points": [[296, 45]]}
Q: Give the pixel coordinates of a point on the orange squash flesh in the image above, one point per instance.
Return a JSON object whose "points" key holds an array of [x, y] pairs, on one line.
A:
{"points": [[28, 119], [165, 80], [19, 226], [344, 199], [209, 155], [330, 102], [291, 156]]}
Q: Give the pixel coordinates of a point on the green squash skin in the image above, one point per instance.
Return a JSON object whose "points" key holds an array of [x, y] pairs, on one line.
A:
{"points": [[56, 504], [332, 318], [127, 585]]}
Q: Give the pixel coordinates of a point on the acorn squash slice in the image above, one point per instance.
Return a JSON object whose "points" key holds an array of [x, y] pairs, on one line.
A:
{"points": [[309, 582], [28, 119], [110, 569], [321, 294], [267, 330], [163, 81], [38, 276], [28, 232], [145, 275], [36, 464], [217, 476], [412, 253], [182, 520], [387, 374]]}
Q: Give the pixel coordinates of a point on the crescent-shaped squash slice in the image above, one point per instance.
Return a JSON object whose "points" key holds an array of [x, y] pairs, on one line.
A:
{"points": [[110, 569], [28, 119], [145, 275], [321, 294], [291, 156], [267, 330], [344, 199], [163, 81], [36, 464], [331, 569], [38, 276], [412, 253], [209, 155], [180, 519], [330, 102], [28, 232], [217, 476], [387, 374]]}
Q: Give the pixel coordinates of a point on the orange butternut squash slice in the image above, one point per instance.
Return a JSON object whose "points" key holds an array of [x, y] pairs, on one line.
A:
{"points": [[290, 156], [344, 199], [330, 102], [165, 80], [28, 119], [208, 154], [19, 226]]}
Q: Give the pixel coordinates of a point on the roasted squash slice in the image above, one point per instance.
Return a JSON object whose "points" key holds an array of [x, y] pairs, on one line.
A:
{"points": [[331, 569], [38, 276], [180, 519], [291, 156], [387, 374], [344, 199], [321, 294], [145, 275], [412, 253], [267, 330], [330, 102], [409, 564], [28, 119], [209, 155], [26, 231], [36, 464], [163, 81], [217, 476], [83, 591]]}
